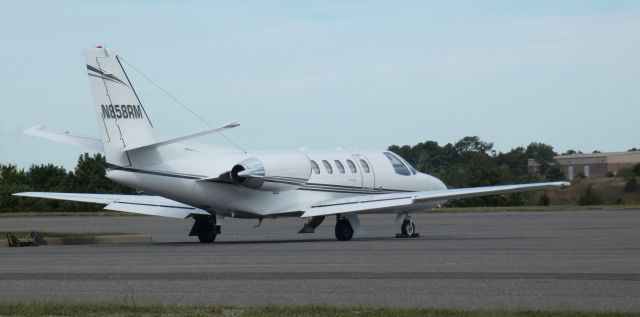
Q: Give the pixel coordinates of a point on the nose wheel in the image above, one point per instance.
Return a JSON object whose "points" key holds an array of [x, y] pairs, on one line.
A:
{"points": [[407, 229]]}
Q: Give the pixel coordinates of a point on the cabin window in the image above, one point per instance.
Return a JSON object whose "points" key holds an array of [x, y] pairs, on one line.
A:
{"points": [[398, 166], [314, 167], [327, 166], [365, 166], [339, 166], [352, 166]]}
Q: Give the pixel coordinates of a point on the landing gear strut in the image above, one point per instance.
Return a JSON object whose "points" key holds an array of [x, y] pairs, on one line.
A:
{"points": [[312, 224], [408, 228], [205, 228], [344, 230]]}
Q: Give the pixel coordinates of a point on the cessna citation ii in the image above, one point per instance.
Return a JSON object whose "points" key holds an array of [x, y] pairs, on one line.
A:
{"points": [[209, 183]]}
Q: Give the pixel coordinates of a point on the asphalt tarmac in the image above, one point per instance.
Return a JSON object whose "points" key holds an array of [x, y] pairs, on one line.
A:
{"points": [[536, 260]]}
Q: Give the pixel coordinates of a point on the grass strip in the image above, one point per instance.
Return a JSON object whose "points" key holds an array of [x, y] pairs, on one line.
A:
{"points": [[40, 309]]}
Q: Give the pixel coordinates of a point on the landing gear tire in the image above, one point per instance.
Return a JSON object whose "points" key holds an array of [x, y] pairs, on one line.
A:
{"points": [[207, 236], [344, 230], [408, 228], [205, 228]]}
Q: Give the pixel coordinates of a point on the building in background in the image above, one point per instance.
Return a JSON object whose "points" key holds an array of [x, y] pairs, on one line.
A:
{"points": [[592, 165]]}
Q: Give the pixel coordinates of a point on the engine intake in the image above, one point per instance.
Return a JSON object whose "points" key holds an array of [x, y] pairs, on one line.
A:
{"points": [[273, 172]]}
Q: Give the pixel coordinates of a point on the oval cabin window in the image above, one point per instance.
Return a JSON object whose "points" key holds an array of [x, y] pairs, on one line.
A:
{"points": [[327, 166], [339, 166]]}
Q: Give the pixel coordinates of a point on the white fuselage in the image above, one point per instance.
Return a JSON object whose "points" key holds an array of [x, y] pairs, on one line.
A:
{"points": [[189, 174]]}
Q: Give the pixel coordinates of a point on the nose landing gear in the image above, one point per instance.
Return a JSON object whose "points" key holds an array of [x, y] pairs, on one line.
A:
{"points": [[407, 229]]}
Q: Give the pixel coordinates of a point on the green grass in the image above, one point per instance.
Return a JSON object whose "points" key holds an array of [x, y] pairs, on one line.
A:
{"points": [[34, 310]]}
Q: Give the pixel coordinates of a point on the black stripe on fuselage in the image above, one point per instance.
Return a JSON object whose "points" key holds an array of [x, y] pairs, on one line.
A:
{"points": [[290, 179], [358, 202], [283, 182], [317, 185], [328, 190], [158, 173]]}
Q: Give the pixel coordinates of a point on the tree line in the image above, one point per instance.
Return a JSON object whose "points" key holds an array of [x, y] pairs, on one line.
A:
{"points": [[469, 162], [87, 177], [472, 162]]}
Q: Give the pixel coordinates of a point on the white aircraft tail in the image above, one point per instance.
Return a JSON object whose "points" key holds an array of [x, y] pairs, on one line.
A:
{"points": [[122, 119]]}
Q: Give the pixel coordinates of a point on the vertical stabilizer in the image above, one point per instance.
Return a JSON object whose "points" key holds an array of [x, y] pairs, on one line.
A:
{"points": [[121, 117]]}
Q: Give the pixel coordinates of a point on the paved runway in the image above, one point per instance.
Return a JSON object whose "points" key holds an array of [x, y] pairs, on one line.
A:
{"points": [[561, 260]]}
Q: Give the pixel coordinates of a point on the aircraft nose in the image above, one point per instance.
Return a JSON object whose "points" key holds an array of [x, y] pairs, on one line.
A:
{"points": [[433, 183]]}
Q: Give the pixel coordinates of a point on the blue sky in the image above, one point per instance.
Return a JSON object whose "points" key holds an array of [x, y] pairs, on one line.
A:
{"points": [[326, 74]]}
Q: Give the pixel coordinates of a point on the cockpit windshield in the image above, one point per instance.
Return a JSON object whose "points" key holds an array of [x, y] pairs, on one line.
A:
{"points": [[397, 164], [411, 168]]}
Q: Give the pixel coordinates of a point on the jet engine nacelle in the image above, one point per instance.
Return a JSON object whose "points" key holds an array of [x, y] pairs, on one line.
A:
{"points": [[273, 172]]}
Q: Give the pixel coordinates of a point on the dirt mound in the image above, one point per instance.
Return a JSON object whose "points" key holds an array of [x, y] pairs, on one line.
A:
{"points": [[610, 190]]}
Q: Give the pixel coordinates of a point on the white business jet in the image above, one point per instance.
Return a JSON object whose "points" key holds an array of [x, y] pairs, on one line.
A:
{"points": [[209, 183]]}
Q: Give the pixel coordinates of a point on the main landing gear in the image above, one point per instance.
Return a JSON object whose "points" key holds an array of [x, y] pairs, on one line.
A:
{"points": [[344, 230], [407, 229], [205, 228]]}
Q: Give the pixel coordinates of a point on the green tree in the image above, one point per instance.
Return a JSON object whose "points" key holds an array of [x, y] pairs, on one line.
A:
{"points": [[472, 144], [589, 197], [571, 152], [554, 173], [514, 166], [473, 162], [88, 176], [47, 177], [12, 181], [631, 185], [543, 154], [544, 199]]}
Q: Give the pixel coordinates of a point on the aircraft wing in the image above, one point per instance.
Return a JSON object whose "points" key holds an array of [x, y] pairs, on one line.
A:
{"points": [[141, 204], [395, 201]]}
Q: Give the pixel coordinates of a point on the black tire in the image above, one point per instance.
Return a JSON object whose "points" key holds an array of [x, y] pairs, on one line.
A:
{"points": [[207, 237], [408, 228], [344, 231], [206, 229]]}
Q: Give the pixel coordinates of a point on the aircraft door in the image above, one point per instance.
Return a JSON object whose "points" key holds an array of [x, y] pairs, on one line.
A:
{"points": [[366, 171]]}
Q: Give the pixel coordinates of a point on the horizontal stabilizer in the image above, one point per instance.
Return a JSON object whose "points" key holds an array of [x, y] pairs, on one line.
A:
{"points": [[140, 204], [227, 126], [384, 202], [67, 137]]}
